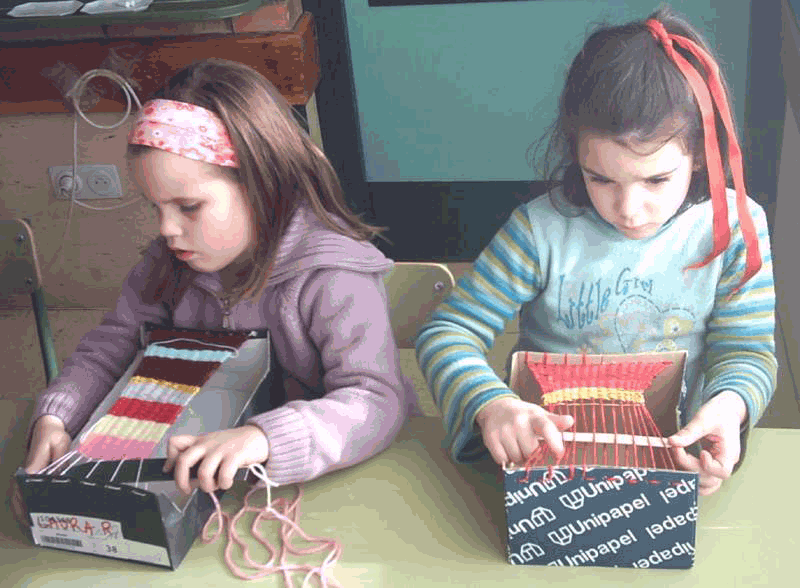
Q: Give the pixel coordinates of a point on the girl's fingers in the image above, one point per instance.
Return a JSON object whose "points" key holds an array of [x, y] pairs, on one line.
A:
{"points": [[553, 438], [207, 473], [708, 485], [705, 465], [183, 463], [528, 442], [493, 439], [708, 481], [46, 453], [562, 421], [691, 433], [37, 459], [512, 451], [175, 446], [226, 472], [714, 467], [685, 460], [515, 441], [496, 451], [59, 448]]}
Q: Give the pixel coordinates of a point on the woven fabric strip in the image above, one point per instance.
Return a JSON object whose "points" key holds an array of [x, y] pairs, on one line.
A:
{"points": [[593, 393], [168, 377], [633, 375]]}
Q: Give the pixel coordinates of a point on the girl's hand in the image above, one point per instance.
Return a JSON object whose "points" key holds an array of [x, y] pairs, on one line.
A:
{"points": [[49, 441], [220, 454], [716, 425], [512, 429]]}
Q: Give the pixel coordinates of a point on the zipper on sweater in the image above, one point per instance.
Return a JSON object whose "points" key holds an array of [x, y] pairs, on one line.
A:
{"points": [[227, 323]]}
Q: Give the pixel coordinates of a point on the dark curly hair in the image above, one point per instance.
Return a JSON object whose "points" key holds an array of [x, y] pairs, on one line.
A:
{"points": [[623, 84]]}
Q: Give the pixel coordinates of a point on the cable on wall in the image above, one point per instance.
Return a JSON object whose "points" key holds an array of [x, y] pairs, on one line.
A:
{"points": [[74, 95]]}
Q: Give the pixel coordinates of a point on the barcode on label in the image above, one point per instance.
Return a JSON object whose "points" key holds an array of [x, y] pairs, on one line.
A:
{"points": [[62, 541]]}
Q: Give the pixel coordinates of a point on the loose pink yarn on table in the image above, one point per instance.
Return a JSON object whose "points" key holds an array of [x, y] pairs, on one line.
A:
{"points": [[288, 513]]}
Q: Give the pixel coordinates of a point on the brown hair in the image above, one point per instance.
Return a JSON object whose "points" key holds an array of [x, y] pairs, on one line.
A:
{"points": [[279, 165], [623, 84]]}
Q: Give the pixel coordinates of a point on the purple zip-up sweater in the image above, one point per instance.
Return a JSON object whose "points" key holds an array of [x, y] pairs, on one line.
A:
{"points": [[327, 311]]}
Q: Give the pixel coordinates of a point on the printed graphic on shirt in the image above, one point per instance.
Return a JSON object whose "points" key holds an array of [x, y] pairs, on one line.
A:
{"points": [[637, 312]]}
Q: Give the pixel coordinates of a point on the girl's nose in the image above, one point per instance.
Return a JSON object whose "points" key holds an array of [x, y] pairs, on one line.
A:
{"points": [[169, 226], [630, 203]]}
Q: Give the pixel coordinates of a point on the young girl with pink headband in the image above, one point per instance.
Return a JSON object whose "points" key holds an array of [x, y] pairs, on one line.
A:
{"points": [[254, 234], [638, 246]]}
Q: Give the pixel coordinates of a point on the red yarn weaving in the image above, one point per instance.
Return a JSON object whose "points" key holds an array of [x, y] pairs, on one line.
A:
{"points": [[612, 424]]}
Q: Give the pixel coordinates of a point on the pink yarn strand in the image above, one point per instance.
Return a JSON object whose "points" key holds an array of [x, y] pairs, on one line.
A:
{"points": [[288, 514]]}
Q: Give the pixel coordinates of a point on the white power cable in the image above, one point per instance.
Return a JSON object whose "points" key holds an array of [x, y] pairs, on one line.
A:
{"points": [[74, 95]]}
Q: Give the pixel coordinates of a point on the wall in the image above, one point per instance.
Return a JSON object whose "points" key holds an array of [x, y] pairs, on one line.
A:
{"points": [[442, 93], [100, 247], [784, 235], [458, 92]]}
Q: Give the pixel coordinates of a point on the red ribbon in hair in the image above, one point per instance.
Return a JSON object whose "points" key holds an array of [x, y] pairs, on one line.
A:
{"points": [[716, 173]]}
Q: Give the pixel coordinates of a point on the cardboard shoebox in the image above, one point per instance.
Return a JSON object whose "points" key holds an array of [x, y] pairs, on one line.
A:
{"points": [[129, 509], [605, 508]]}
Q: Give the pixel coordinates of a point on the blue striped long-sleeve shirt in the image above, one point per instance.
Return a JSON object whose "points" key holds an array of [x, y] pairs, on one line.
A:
{"points": [[579, 285]]}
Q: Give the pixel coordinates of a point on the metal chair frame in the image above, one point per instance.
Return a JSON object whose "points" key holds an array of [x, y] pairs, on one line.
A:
{"points": [[21, 275]]}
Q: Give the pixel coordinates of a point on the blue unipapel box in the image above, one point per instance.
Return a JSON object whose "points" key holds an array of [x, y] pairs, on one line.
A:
{"points": [[602, 516], [604, 509]]}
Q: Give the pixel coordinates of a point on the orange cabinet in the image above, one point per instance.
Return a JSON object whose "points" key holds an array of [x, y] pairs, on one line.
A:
{"points": [[288, 59]]}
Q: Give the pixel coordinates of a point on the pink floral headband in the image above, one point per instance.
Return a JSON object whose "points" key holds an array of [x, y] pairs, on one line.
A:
{"points": [[184, 129]]}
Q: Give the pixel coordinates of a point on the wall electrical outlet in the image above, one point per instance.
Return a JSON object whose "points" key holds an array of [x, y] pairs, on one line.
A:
{"points": [[95, 182]]}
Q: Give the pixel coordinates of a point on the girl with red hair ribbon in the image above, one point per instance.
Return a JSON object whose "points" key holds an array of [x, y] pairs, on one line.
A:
{"points": [[639, 246]]}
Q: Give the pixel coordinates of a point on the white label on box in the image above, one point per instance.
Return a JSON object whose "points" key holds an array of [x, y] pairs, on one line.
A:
{"points": [[92, 535]]}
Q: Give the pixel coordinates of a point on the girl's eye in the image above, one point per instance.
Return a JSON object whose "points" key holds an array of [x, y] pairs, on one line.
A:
{"points": [[656, 181], [600, 181], [189, 208]]}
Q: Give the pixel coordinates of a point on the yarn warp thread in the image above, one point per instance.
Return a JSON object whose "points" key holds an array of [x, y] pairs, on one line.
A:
{"points": [[607, 404]]}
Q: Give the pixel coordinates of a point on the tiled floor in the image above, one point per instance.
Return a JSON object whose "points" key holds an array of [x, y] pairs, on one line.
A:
{"points": [[23, 376]]}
